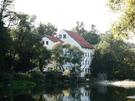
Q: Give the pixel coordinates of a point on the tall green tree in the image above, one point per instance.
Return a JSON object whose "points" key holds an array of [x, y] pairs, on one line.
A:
{"points": [[29, 51], [5, 40], [115, 58], [92, 35], [46, 29]]}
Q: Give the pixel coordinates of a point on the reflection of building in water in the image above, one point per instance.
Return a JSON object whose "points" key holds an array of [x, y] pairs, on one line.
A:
{"points": [[85, 94], [67, 95], [48, 97], [79, 94], [54, 97]]}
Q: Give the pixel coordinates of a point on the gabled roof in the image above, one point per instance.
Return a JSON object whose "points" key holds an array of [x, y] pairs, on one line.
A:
{"points": [[54, 39], [80, 40]]}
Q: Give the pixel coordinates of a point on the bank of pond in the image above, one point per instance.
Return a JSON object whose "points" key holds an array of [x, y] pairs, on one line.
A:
{"points": [[18, 81]]}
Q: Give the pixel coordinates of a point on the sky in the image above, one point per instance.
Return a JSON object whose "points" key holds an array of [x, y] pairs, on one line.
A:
{"points": [[65, 13]]}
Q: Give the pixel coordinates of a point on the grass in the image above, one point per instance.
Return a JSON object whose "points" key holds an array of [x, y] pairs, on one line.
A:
{"points": [[17, 85]]}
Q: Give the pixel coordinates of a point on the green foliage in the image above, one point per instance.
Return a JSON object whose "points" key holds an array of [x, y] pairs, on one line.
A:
{"points": [[126, 23], [18, 85], [92, 38], [66, 53], [22, 84], [28, 49], [38, 77], [115, 58], [5, 40], [20, 47], [46, 29]]}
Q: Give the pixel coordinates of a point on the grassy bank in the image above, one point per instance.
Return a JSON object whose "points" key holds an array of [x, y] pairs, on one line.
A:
{"points": [[17, 85], [18, 81]]}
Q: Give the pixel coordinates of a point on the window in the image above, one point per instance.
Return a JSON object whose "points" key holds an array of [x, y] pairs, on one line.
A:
{"points": [[64, 36], [85, 69], [60, 36], [89, 70], [46, 42], [85, 62], [85, 54]]}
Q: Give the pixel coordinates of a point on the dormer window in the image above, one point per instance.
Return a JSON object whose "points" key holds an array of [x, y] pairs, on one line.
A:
{"points": [[46, 42], [64, 36], [60, 36]]}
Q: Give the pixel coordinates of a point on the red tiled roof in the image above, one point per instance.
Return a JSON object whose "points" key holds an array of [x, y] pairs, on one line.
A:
{"points": [[79, 39], [54, 39]]}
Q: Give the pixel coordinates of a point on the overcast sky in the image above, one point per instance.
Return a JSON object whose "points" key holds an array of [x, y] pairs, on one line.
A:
{"points": [[64, 13]]}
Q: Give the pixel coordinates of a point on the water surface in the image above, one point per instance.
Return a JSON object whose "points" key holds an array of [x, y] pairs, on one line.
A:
{"points": [[70, 93]]}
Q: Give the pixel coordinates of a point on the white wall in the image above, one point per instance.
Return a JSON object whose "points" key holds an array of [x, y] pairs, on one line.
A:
{"points": [[50, 43], [85, 95], [86, 61], [88, 53]]}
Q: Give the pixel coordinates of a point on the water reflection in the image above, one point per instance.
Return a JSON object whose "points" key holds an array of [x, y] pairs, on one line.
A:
{"points": [[69, 93]]}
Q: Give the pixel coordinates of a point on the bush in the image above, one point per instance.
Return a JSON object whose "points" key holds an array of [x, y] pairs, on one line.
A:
{"points": [[38, 77]]}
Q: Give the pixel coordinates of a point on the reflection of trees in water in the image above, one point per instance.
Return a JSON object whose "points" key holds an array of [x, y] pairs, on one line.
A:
{"points": [[16, 96], [111, 94], [23, 97]]}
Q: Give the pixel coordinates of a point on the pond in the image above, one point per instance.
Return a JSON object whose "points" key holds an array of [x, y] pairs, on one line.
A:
{"points": [[69, 93]]}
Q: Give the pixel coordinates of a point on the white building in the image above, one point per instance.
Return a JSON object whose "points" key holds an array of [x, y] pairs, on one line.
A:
{"points": [[74, 39]]}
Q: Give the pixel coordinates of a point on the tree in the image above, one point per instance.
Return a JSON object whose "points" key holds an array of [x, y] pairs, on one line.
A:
{"points": [[80, 28], [66, 53], [5, 6], [46, 29], [41, 56], [20, 47], [126, 23], [29, 51], [5, 40], [115, 58], [92, 35]]}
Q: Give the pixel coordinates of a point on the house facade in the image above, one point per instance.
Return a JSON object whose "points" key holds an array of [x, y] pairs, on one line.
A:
{"points": [[74, 39]]}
